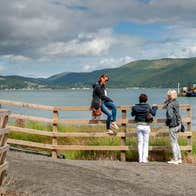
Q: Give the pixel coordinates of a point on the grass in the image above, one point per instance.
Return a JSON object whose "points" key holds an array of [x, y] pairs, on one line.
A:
{"points": [[107, 141], [194, 143]]}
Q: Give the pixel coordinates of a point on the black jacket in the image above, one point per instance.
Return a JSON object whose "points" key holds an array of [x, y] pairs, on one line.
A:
{"points": [[99, 96], [140, 110]]}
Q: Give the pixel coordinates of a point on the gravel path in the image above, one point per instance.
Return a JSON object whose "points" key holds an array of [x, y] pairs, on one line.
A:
{"points": [[39, 176]]}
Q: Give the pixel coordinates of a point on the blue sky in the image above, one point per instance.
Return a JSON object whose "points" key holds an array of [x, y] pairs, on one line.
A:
{"points": [[43, 38]]}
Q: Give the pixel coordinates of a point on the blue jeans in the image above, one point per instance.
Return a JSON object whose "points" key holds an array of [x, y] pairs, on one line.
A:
{"points": [[109, 109]]}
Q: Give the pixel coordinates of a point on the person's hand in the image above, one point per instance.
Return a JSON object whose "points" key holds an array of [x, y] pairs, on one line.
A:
{"points": [[166, 100], [154, 106]]}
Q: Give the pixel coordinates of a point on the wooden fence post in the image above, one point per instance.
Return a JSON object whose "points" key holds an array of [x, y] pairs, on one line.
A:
{"points": [[3, 144], [189, 128], [55, 130], [123, 139]]}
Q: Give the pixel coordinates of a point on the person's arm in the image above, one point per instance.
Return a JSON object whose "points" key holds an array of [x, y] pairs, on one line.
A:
{"points": [[153, 110], [99, 92], [170, 111], [166, 101], [133, 111]]}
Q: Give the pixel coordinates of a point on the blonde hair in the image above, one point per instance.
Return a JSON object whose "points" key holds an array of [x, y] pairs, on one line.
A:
{"points": [[172, 93]]}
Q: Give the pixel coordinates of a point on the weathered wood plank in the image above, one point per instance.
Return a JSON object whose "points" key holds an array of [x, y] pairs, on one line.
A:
{"points": [[30, 144], [3, 167], [69, 108], [31, 118], [4, 112], [81, 147], [4, 148], [157, 120], [31, 131], [4, 131], [161, 134], [117, 148], [72, 108], [79, 122], [90, 134], [26, 105], [160, 107]]}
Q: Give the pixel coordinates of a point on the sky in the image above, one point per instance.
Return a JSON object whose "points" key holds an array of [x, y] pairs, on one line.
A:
{"points": [[41, 38]]}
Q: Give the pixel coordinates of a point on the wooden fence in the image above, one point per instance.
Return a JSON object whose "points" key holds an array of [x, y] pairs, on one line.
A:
{"points": [[124, 121], [3, 143]]}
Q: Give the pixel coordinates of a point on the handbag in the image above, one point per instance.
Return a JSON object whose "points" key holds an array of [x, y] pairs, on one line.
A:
{"points": [[149, 117], [182, 128], [96, 112], [96, 108]]}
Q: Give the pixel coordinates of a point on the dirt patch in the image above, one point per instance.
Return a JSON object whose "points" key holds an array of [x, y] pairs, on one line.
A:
{"points": [[37, 175]]}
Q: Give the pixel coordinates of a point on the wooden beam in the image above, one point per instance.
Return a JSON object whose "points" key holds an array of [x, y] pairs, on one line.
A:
{"points": [[3, 167], [117, 148], [31, 118], [4, 148], [71, 108], [90, 134], [4, 112], [4, 131], [30, 144], [31, 131], [26, 105]]}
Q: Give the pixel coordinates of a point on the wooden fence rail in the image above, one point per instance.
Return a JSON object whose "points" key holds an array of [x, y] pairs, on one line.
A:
{"points": [[124, 121]]}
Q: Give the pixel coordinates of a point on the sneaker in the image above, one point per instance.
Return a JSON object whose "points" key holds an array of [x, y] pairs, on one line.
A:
{"points": [[146, 161], [114, 125], [173, 162], [110, 132], [180, 161]]}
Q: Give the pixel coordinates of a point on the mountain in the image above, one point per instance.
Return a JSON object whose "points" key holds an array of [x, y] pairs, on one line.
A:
{"points": [[142, 73], [19, 82]]}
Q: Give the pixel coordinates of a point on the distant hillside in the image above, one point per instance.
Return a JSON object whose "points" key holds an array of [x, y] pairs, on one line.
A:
{"points": [[143, 73], [18, 82]]}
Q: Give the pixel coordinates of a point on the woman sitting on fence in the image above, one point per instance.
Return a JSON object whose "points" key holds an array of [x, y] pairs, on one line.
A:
{"points": [[100, 99], [173, 120], [143, 116]]}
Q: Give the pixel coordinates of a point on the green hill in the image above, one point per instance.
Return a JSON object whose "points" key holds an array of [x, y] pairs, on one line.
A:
{"points": [[18, 82], [142, 73]]}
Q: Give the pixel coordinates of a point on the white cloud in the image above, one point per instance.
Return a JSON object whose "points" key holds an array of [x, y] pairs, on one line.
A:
{"points": [[16, 58], [183, 52], [47, 33], [178, 42], [84, 45], [108, 63], [30, 25], [112, 62], [88, 68]]}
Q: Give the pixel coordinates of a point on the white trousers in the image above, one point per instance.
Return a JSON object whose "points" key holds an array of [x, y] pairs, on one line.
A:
{"points": [[143, 132]]}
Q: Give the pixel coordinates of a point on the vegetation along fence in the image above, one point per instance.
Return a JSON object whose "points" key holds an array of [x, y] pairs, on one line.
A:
{"points": [[3, 143], [125, 132]]}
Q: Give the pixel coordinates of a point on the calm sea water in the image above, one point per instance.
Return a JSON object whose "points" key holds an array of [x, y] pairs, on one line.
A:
{"points": [[82, 97]]}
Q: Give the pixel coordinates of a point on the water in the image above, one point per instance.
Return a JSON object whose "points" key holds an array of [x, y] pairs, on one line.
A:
{"points": [[82, 97]]}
